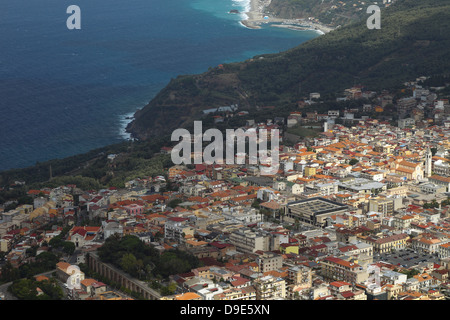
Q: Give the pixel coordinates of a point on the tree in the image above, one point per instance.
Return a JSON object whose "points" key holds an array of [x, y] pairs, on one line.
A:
{"points": [[297, 224], [68, 247], [142, 260], [24, 289], [255, 204], [353, 161], [51, 289], [128, 263], [55, 242], [170, 289], [174, 203], [8, 273]]}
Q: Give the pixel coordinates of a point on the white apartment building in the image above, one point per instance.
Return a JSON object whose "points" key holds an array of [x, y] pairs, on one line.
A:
{"points": [[247, 240], [270, 288]]}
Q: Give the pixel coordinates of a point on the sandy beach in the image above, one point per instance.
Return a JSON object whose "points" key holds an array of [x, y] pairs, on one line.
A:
{"points": [[256, 17], [256, 14]]}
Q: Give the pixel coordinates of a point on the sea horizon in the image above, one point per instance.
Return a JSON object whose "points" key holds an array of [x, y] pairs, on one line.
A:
{"points": [[69, 92]]}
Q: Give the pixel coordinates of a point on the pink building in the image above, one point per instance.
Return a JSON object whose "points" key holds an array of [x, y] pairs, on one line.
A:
{"points": [[134, 209]]}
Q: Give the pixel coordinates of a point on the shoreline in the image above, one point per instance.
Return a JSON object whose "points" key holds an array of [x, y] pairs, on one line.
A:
{"points": [[125, 120], [256, 17]]}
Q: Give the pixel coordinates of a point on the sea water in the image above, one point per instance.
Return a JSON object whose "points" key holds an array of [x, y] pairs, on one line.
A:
{"points": [[65, 92]]}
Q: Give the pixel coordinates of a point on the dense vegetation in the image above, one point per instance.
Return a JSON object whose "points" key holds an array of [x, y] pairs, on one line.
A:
{"points": [[46, 261], [143, 261], [327, 11], [27, 289], [60, 244], [92, 170]]}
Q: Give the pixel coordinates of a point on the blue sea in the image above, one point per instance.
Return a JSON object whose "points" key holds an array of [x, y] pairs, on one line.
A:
{"points": [[65, 92]]}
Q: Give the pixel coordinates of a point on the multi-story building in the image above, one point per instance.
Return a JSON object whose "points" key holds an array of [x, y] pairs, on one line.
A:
{"points": [[4, 245], [402, 222], [177, 229], [310, 171], [441, 181], [359, 247], [346, 235], [441, 168], [431, 188], [333, 268], [372, 175], [300, 276], [384, 206], [246, 215], [247, 240], [393, 278], [337, 287], [269, 261], [326, 189], [313, 211], [235, 294], [424, 280], [270, 288], [134, 209], [387, 244], [444, 250], [427, 243]]}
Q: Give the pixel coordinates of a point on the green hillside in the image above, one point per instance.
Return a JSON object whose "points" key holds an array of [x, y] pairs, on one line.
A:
{"points": [[330, 12], [414, 40]]}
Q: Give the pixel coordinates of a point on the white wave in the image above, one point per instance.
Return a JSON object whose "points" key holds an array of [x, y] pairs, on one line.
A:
{"points": [[243, 25], [245, 6], [124, 121]]}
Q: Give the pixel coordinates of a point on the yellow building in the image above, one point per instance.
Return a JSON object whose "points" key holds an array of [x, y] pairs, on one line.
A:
{"points": [[4, 245], [42, 210], [287, 248], [310, 171], [387, 244], [25, 208], [410, 170]]}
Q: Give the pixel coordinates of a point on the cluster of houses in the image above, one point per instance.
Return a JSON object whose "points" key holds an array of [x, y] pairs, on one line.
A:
{"points": [[323, 227]]}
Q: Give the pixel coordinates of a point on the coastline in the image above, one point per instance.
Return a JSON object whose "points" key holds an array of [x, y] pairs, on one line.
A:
{"points": [[256, 17], [125, 120]]}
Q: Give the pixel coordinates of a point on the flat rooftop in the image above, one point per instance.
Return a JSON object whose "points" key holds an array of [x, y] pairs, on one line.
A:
{"points": [[316, 206]]}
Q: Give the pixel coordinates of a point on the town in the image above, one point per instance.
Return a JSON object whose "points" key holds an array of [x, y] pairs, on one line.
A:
{"points": [[359, 210]]}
